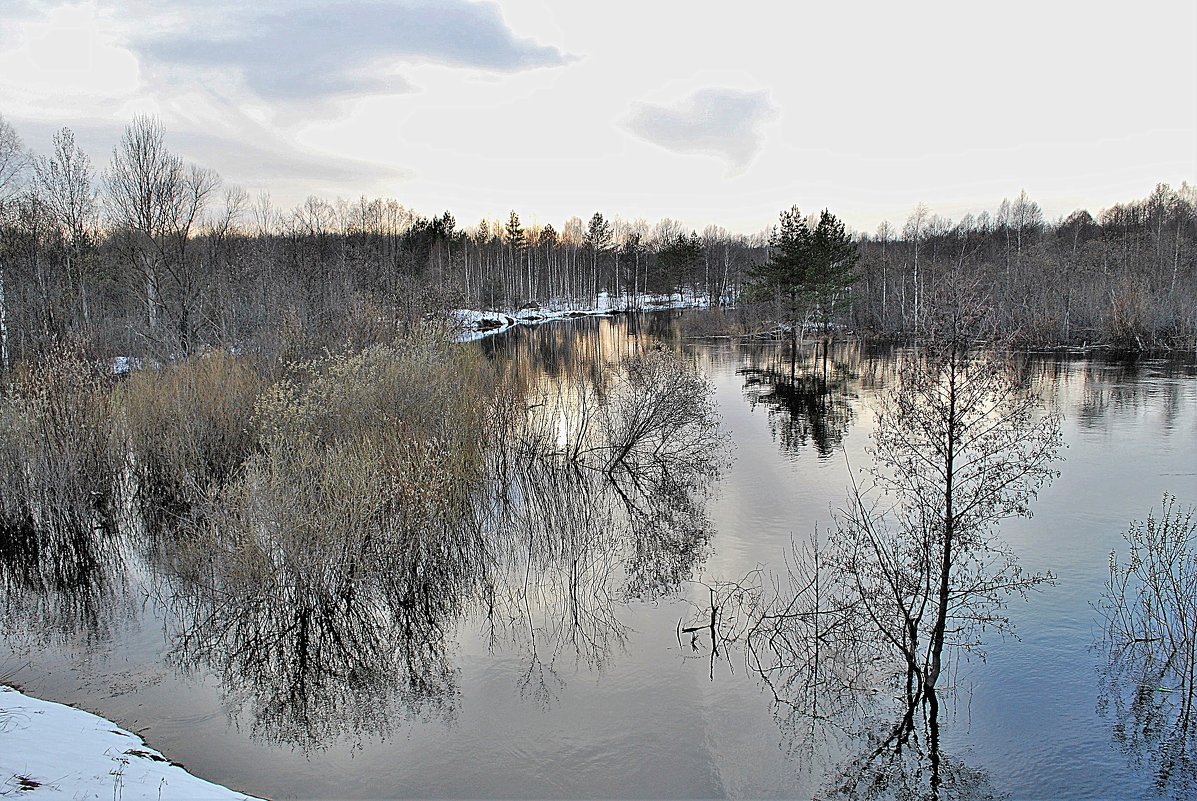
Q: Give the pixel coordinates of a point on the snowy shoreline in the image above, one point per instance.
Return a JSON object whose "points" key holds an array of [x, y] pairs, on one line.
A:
{"points": [[50, 750], [477, 324]]}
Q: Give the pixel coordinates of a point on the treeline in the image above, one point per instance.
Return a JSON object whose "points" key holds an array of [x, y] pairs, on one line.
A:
{"points": [[149, 255], [1127, 277]]}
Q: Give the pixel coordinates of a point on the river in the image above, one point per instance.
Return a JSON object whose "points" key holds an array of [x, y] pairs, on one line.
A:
{"points": [[562, 670]]}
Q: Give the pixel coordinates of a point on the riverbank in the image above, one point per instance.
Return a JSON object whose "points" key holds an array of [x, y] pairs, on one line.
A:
{"points": [[476, 324], [50, 750]]}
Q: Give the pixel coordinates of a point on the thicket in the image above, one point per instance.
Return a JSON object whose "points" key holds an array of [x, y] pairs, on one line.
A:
{"points": [[1126, 277], [189, 426], [60, 471]]}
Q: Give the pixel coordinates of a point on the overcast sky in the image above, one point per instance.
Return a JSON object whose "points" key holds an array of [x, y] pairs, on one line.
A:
{"points": [[701, 111]]}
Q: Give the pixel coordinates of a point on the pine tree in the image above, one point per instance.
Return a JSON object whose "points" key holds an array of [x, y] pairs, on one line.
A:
{"points": [[808, 271], [833, 255], [598, 239]]}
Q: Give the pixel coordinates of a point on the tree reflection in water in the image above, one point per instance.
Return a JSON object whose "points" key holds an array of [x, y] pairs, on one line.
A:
{"points": [[845, 713], [318, 640], [61, 584], [599, 502], [1149, 681], [329, 632], [899, 756], [808, 401]]}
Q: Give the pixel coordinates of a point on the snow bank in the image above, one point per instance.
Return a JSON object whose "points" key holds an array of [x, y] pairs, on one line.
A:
{"points": [[478, 324], [50, 751]]}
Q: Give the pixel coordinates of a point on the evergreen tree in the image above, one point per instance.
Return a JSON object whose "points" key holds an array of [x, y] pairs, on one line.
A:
{"points": [[598, 239], [517, 240], [784, 277], [833, 257], [808, 271], [678, 257]]}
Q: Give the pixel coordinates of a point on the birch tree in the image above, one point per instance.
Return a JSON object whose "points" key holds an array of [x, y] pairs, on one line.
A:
{"points": [[12, 161], [158, 200], [960, 445], [66, 184]]}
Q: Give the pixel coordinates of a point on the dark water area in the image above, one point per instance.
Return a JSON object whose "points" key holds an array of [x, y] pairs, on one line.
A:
{"points": [[542, 654]]}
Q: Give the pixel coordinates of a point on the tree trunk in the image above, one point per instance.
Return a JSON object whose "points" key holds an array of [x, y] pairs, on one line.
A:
{"points": [[4, 363], [935, 661]]}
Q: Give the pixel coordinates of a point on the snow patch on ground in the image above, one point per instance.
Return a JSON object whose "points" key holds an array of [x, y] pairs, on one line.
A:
{"points": [[50, 751], [477, 324]]}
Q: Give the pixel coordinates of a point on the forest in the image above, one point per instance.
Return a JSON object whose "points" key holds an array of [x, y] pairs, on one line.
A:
{"points": [[149, 255]]}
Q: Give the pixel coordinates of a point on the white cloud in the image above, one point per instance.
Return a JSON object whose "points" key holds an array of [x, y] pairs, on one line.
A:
{"points": [[352, 47], [66, 58], [728, 123]]}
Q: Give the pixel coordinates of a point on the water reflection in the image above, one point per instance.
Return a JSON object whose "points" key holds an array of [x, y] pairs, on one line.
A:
{"points": [[1148, 686], [899, 756], [862, 725], [61, 584], [558, 543], [326, 640], [1093, 389], [328, 602], [807, 400], [599, 500]]}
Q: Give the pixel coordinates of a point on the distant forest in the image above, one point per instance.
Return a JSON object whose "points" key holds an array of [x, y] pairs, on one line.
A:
{"points": [[149, 255]]}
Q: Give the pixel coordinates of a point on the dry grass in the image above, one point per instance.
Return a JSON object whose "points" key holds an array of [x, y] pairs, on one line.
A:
{"points": [[189, 427], [58, 468]]}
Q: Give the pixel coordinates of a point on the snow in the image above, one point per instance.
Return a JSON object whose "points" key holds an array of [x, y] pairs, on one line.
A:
{"points": [[122, 365], [50, 751], [478, 324]]}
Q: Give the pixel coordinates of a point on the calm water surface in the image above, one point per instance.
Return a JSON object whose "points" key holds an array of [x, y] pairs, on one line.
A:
{"points": [[563, 673]]}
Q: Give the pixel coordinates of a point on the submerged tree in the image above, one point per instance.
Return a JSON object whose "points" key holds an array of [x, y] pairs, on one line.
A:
{"points": [[915, 568], [1151, 643], [809, 270], [961, 444]]}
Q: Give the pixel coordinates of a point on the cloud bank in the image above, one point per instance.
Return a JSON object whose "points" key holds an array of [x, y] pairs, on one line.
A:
{"points": [[728, 123], [350, 47]]}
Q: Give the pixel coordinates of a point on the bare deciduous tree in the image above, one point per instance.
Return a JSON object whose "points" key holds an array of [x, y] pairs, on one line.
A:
{"points": [[960, 445], [12, 162], [158, 201], [66, 184]]}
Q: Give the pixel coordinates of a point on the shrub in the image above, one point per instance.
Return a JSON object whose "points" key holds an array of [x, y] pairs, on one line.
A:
{"points": [[367, 461], [189, 426], [59, 469], [335, 557]]}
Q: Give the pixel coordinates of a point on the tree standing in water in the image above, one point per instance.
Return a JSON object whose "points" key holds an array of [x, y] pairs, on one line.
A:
{"points": [[809, 271], [961, 444]]}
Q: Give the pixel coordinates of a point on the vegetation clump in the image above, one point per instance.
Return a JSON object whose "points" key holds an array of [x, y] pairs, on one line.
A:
{"points": [[1150, 679], [190, 426], [60, 470]]}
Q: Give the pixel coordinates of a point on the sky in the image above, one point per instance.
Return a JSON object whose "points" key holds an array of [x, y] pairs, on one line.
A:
{"points": [[704, 112]]}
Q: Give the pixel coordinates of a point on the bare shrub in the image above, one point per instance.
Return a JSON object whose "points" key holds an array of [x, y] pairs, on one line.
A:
{"points": [[367, 462], [59, 487], [189, 426], [335, 560], [59, 467], [1149, 685]]}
